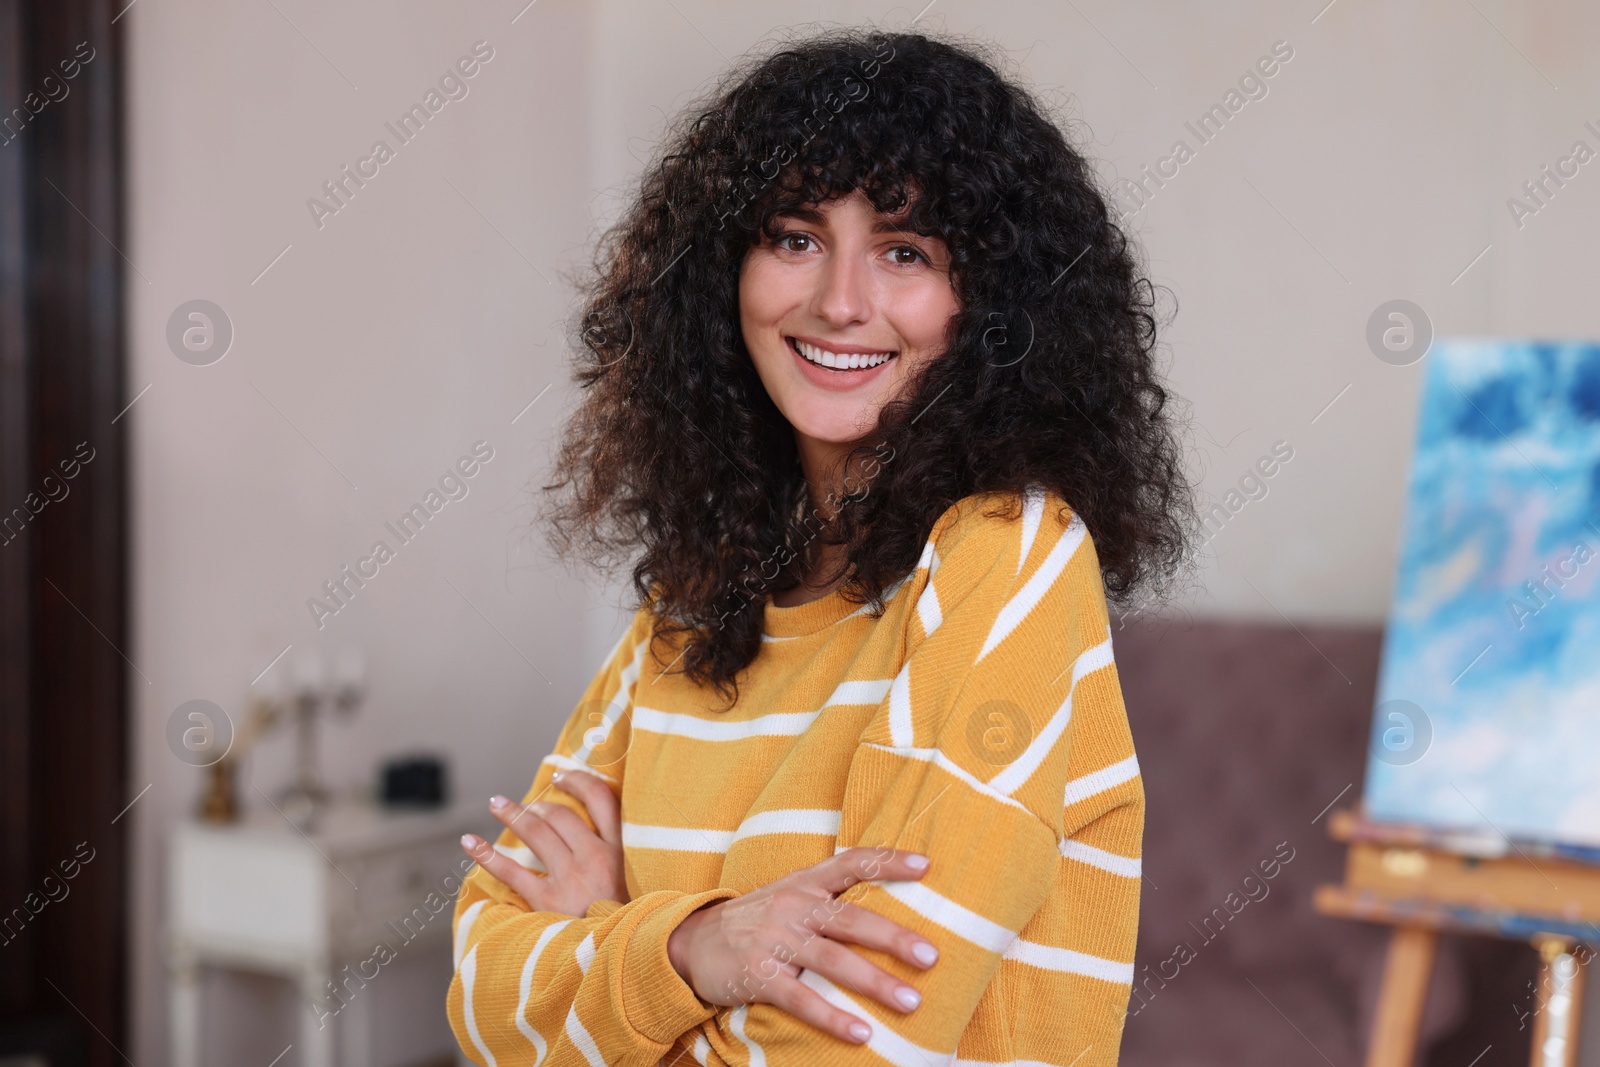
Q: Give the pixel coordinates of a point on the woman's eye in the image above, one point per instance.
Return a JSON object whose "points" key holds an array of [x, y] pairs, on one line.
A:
{"points": [[784, 240], [911, 252]]}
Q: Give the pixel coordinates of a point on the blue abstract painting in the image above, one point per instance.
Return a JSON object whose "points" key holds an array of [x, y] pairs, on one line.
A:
{"points": [[1487, 713]]}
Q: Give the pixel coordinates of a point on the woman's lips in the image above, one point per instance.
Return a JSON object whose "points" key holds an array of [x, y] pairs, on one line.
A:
{"points": [[832, 377]]}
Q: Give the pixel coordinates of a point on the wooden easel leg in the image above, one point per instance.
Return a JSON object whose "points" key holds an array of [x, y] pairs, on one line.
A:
{"points": [[1559, 1001], [1405, 987]]}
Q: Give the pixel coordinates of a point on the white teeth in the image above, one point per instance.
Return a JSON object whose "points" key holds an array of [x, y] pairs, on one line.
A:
{"points": [[838, 361]]}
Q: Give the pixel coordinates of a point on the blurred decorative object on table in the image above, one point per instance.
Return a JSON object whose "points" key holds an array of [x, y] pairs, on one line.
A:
{"points": [[308, 696], [414, 782]]}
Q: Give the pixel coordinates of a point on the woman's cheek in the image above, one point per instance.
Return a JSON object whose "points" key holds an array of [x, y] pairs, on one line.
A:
{"points": [[924, 317]]}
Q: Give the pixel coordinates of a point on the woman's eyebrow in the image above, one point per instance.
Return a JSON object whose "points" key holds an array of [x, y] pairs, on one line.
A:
{"points": [[883, 225], [802, 214]]}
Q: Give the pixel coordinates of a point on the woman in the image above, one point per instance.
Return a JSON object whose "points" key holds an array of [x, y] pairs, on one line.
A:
{"points": [[872, 405]]}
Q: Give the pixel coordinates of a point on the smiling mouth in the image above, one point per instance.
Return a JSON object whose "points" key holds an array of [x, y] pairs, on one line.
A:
{"points": [[835, 361]]}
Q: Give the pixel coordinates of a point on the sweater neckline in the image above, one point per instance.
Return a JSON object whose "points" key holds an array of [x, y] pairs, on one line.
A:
{"points": [[807, 618]]}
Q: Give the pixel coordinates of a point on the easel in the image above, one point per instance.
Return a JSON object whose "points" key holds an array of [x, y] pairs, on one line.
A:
{"points": [[1405, 877]]}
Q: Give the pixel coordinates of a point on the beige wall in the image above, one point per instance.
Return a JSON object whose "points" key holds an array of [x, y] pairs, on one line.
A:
{"points": [[413, 323], [420, 319], [1389, 143]]}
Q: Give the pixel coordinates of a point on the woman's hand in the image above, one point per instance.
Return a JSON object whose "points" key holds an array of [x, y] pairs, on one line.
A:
{"points": [[743, 949], [582, 866]]}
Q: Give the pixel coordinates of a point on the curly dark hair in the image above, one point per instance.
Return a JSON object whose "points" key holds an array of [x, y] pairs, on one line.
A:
{"points": [[1049, 375]]}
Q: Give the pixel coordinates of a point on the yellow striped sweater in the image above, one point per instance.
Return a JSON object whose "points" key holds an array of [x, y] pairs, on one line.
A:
{"points": [[978, 721]]}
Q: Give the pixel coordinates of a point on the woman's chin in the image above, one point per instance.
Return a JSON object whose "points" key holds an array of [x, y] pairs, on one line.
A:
{"points": [[839, 433]]}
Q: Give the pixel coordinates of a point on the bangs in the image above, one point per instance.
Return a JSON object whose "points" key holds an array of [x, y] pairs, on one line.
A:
{"points": [[809, 132]]}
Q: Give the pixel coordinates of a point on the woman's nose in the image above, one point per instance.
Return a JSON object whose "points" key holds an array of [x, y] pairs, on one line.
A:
{"points": [[842, 296]]}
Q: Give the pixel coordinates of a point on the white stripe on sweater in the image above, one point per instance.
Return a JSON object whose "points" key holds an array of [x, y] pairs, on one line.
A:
{"points": [[958, 919], [1018, 771], [736, 1020], [469, 975], [1067, 961], [1081, 789], [676, 838], [777, 724], [581, 1040], [848, 693], [884, 1040], [585, 953], [790, 821], [617, 707], [682, 724], [900, 723], [928, 609], [824, 821], [525, 990], [1034, 589], [464, 927], [1127, 866]]}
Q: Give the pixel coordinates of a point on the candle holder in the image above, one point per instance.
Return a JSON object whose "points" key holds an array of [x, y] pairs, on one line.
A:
{"points": [[314, 698], [312, 695]]}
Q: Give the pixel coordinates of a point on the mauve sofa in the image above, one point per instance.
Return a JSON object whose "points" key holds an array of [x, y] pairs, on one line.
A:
{"points": [[1245, 733]]}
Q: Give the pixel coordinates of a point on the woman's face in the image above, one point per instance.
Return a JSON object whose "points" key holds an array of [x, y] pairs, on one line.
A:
{"points": [[839, 312]]}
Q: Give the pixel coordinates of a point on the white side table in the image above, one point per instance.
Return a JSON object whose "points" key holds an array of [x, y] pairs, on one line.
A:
{"points": [[260, 895]]}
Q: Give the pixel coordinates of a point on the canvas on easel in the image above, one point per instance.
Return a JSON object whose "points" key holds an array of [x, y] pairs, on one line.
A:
{"points": [[1481, 804], [1494, 632]]}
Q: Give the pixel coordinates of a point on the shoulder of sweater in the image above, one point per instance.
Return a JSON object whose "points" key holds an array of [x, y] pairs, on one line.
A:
{"points": [[1002, 527]]}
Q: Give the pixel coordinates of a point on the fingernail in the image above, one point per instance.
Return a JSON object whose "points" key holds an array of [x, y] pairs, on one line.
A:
{"points": [[917, 862], [497, 802], [860, 1031], [924, 952], [908, 997], [556, 777], [470, 842]]}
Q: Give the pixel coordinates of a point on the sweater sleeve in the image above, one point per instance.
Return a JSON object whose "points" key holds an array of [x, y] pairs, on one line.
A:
{"points": [[968, 760], [536, 987]]}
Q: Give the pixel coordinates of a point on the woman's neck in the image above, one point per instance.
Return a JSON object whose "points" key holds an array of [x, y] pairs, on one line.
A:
{"points": [[822, 462], [812, 584]]}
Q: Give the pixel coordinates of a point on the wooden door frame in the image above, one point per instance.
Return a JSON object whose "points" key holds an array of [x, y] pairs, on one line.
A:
{"points": [[63, 566]]}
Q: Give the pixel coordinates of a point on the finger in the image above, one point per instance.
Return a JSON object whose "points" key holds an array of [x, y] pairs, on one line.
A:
{"points": [[805, 1004], [532, 830], [520, 880], [861, 926], [568, 825], [598, 799], [866, 864], [850, 971]]}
